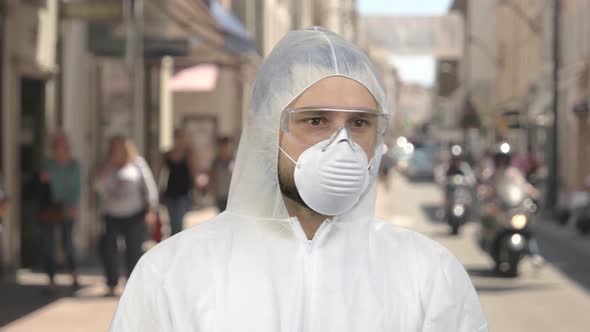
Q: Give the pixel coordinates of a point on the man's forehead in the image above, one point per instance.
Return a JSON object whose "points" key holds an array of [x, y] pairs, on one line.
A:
{"points": [[334, 111], [336, 92]]}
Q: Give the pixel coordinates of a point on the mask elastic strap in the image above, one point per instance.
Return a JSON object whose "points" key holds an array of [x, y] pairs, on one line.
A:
{"points": [[288, 156], [371, 163]]}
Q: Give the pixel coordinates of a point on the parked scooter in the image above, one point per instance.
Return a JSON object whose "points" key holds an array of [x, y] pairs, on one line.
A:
{"points": [[581, 211], [507, 220]]}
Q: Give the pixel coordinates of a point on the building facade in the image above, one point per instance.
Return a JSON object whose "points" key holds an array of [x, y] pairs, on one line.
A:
{"points": [[65, 65], [29, 79], [339, 16], [512, 49], [574, 125], [523, 63]]}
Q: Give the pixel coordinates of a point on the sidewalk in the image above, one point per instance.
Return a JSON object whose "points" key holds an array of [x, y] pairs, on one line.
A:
{"points": [[24, 308]]}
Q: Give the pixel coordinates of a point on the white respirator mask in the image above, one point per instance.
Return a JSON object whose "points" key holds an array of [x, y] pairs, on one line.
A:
{"points": [[332, 175]]}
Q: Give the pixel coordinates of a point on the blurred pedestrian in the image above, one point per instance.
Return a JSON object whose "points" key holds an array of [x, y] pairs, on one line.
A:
{"points": [[485, 165], [61, 176], [527, 163], [178, 167], [3, 208], [221, 171], [3, 200], [129, 202]]}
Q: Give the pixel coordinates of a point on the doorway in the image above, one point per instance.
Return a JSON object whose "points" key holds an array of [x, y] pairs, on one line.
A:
{"points": [[32, 132]]}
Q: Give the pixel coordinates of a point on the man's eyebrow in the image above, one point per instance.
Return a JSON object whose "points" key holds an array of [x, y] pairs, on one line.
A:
{"points": [[365, 114], [313, 112]]}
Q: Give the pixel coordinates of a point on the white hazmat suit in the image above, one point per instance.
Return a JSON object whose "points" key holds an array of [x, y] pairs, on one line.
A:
{"points": [[252, 268]]}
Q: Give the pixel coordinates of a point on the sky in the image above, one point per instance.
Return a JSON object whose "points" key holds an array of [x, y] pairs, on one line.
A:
{"points": [[403, 7], [416, 69]]}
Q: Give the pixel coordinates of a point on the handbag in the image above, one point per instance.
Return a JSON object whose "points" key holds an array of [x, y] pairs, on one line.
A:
{"points": [[157, 229], [50, 211], [54, 214]]}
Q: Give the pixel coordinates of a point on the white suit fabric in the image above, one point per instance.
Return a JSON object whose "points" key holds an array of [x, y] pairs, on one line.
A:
{"points": [[252, 268]]}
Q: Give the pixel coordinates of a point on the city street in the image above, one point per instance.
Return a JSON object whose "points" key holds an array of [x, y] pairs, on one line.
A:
{"points": [[555, 298]]}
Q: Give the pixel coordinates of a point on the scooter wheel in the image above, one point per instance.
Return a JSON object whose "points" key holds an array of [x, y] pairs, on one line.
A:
{"points": [[509, 268], [507, 262]]}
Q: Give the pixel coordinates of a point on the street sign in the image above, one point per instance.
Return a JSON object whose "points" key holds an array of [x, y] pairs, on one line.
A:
{"points": [[88, 10]]}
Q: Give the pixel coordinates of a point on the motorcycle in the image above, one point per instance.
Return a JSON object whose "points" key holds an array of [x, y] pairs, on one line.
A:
{"points": [[507, 221], [581, 211], [459, 202]]}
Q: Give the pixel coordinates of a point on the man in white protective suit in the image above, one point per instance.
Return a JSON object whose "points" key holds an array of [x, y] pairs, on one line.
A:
{"points": [[299, 247]]}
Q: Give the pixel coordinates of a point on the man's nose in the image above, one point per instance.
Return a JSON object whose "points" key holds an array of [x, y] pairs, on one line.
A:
{"points": [[341, 134]]}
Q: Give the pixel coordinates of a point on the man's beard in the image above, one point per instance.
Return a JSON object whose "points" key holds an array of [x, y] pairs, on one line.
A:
{"points": [[287, 184]]}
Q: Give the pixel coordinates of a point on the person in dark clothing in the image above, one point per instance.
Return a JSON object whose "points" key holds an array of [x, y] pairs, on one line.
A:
{"points": [[527, 163], [456, 166], [221, 171], [178, 166]]}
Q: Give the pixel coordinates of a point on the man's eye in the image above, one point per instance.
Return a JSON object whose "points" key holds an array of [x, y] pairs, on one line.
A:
{"points": [[359, 123], [314, 121]]}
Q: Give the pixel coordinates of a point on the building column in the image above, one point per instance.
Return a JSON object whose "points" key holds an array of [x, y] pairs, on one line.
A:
{"points": [[136, 66], [78, 111], [166, 110]]}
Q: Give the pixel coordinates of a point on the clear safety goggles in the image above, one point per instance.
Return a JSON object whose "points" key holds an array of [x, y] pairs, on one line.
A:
{"points": [[311, 125]]}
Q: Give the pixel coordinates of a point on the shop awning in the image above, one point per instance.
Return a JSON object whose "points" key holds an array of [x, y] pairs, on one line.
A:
{"points": [[176, 28], [200, 78], [201, 23], [237, 39]]}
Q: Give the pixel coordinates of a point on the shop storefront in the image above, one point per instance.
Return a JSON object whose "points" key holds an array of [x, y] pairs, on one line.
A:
{"points": [[28, 73]]}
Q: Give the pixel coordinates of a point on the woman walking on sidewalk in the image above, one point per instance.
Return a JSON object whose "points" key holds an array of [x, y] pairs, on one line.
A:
{"points": [[129, 201], [177, 171], [61, 176]]}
